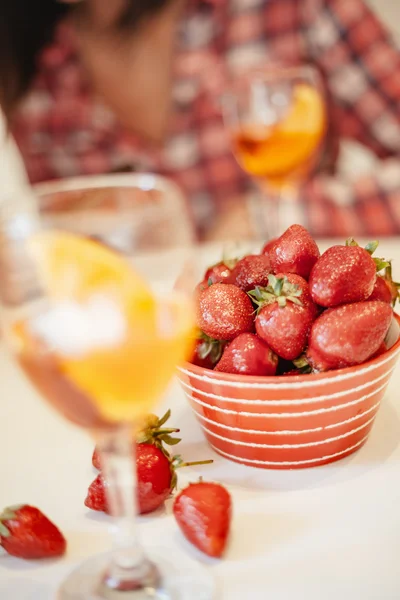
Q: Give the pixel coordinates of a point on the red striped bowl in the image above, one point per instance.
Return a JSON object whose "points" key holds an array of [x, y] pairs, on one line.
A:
{"points": [[288, 422]]}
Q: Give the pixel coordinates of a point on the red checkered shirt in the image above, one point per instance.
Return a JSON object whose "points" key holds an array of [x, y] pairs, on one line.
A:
{"points": [[63, 131]]}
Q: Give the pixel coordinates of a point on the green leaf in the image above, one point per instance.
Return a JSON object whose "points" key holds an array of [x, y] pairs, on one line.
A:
{"points": [[209, 282], [351, 242], [164, 419], [381, 264], [170, 440], [204, 350], [4, 532], [281, 301], [301, 362], [371, 247]]}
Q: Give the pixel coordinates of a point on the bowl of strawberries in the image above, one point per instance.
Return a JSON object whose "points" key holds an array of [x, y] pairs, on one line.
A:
{"points": [[294, 352]]}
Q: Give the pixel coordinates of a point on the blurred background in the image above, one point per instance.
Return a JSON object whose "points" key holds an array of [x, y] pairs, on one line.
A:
{"points": [[348, 183]]}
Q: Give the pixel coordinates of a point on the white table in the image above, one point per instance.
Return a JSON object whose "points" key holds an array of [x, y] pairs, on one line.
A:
{"points": [[325, 533]]}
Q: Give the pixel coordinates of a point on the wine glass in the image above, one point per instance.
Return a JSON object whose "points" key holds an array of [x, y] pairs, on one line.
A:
{"points": [[277, 121], [101, 347]]}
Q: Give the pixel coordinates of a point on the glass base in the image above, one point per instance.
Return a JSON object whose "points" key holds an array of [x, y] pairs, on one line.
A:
{"points": [[182, 580]]}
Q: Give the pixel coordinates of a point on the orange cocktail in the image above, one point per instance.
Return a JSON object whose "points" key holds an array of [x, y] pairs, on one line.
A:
{"points": [[286, 150], [102, 349]]}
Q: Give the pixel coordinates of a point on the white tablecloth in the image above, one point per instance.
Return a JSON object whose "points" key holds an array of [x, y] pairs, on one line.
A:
{"points": [[325, 533]]}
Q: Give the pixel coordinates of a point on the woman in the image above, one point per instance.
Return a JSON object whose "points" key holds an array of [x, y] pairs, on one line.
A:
{"points": [[125, 51], [63, 130]]}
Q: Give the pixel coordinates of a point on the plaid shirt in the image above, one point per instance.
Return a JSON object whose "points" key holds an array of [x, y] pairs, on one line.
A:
{"points": [[62, 131]]}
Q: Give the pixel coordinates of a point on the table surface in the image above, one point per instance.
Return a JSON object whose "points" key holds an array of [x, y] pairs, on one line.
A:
{"points": [[329, 532]]}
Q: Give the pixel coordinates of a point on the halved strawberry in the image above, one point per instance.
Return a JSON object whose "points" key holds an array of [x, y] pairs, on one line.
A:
{"points": [[203, 512]]}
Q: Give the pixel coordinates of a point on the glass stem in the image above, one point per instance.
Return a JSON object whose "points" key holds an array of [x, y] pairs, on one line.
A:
{"points": [[130, 569]]}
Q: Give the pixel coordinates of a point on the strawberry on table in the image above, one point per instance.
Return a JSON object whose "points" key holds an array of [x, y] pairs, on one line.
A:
{"points": [[155, 467], [294, 252], [283, 322], [27, 533], [251, 271], [156, 481], [203, 512], [224, 311], [348, 335], [342, 275], [247, 354], [152, 432]]}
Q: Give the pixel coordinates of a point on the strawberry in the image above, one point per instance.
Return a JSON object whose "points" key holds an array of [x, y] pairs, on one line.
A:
{"points": [[207, 351], [385, 288], [251, 271], [268, 245], [248, 355], [282, 320], [302, 285], [156, 469], [348, 335], [294, 252], [155, 481], [224, 311], [152, 432], [218, 273], [156, 476], [382, 291], [203, 512], [342, 275], [27, 533]]}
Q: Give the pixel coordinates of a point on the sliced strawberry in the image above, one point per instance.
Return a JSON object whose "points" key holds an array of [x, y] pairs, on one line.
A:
{"points": [[27, 533], [247, 354], [203, 513]]}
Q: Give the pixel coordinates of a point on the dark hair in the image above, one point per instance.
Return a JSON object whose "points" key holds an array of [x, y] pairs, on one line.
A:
{"points": [[27, 26]]}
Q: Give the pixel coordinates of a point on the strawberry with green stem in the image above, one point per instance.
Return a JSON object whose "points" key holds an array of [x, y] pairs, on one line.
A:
{"points": [[345, 274], [152, 432], [207, 351], [25, 532], [156, 468], [156, 479], [282, 320]]}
